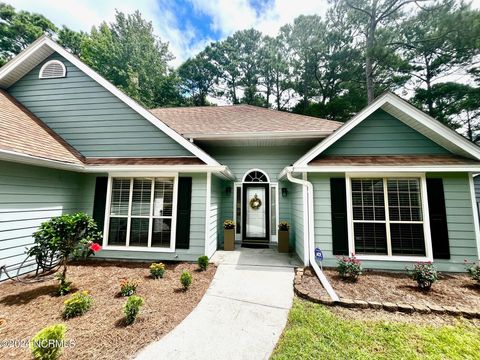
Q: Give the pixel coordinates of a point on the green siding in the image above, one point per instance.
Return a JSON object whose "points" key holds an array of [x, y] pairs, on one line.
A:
{"points": [[297, 228], [90, 118], [215, 215], [30, 195], [197, 230], [383, 134], [459, 217]]}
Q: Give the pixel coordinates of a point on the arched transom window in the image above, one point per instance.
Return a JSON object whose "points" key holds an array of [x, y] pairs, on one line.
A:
{"points": [[255, 176]]}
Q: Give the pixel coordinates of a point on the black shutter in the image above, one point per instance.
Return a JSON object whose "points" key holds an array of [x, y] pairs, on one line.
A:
{"points": [[99, 201], [338, 198], [438, 219], [184, 206]]}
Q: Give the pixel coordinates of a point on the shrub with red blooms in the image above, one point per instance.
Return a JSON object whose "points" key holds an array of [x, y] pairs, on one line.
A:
{"points": [[349, 268], [425, 274], [474, 270], [95, 247]]}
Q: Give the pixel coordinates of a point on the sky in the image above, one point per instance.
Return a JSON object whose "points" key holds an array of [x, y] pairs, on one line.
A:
{"points": [[187, 25]]}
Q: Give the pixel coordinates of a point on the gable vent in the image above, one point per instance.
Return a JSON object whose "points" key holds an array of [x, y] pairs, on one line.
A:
{"points": [[52, 69]]}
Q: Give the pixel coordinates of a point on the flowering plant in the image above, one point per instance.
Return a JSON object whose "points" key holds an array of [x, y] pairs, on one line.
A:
{"points": [[128, 287], [283, 226], [474, 270], [157, 270], [229, 224], [425, 274], [349, 268], [78, 304]]}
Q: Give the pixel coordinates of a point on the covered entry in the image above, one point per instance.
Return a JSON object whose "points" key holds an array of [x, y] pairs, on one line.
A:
{"points": [[256, 210]]}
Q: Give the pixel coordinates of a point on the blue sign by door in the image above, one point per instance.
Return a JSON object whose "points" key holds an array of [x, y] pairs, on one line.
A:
{"points": [[318, 254]]}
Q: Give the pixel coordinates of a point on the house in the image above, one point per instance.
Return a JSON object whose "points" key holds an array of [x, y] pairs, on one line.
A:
{"points": [[392, 185]]}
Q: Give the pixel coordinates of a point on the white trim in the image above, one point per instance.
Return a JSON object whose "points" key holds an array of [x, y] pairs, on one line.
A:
{"points": [[4, 71], [306, 244], [236, 186], [131, 176], [259, 135], [208, 202], [255, 169], [382, 169], [425, 216], [434, 125], [476, 222], [42, 69], [274, 237]]}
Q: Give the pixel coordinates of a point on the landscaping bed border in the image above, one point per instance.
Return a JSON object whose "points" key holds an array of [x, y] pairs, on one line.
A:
{"points": [[407, 308]]}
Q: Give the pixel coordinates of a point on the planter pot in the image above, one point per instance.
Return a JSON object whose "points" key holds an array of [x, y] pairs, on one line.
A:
{"points": [[283, 241], [229, 239]]}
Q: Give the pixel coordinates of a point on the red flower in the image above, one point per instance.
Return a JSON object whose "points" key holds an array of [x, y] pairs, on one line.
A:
{"points": [[95, 247]]}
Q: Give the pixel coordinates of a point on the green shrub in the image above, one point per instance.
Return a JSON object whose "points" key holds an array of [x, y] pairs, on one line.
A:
{"points": [[47, 344], [203, 262], [131, 308], [349, 268], [157, 270], [283, 226], [128, 287], [64, 286], [186, 279], [78, 304], [425, 274], [474, 271], [228, 224]]}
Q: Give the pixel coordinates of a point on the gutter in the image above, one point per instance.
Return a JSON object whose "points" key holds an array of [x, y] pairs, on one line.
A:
{"points": [[310, 234]]}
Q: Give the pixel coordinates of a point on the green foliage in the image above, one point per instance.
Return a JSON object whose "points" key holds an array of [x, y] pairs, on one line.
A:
{"points": [[314, 331], [128, 287], [131, 309], [283, 226], [349, 268], [157, 270], [186, 279], [474, 271], [425, 274], [229, 224], [64, 286], [78, 304], [47, 343], [203, 262]]}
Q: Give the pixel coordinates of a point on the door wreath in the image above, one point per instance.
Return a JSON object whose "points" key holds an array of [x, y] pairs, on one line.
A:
{"points": [[255, 202]]}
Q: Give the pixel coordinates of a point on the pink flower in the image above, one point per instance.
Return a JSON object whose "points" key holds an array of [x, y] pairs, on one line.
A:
{"points": [[95, 247]]}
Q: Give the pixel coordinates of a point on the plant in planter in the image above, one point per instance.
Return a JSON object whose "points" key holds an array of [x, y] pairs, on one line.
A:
{"points": [[425, 274], [473, 270], [63, 238], [283, 236], [229, 235], [128, 287], [349, 268], [157, 270]]}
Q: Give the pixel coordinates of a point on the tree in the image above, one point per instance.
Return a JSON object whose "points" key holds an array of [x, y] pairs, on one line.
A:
{"points": [[198, 77], [20, 29], [440, 41], [71, 40]]}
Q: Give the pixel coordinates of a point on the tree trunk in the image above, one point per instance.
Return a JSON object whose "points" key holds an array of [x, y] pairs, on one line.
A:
{"points": [[369, 65], [277, 86], [469, 125], [428, 81]]}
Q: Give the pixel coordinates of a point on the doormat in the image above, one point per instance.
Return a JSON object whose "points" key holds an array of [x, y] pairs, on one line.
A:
{"points": [[256, 246]]}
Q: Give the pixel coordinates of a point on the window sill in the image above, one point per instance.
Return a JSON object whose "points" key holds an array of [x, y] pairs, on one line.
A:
{"points": [[139, 249], [394, 258]]}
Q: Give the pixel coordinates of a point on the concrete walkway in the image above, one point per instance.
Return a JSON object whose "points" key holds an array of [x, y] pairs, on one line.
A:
{"points": [[242, 314]]}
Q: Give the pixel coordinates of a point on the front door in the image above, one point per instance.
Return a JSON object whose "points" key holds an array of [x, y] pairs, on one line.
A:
{"points": [[256, 213]]}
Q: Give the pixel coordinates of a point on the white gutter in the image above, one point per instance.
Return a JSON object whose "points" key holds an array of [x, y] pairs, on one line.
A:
{"points": [[309, 233]]}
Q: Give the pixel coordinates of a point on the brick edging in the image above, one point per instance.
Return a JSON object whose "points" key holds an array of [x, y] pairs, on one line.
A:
{"points": [[387, 306]]}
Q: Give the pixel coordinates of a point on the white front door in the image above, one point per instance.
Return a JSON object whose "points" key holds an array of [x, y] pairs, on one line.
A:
{"points": [[256, 222]]}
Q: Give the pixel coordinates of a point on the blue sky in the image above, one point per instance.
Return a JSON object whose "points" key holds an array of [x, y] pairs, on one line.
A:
{"points": [[188, 25]]}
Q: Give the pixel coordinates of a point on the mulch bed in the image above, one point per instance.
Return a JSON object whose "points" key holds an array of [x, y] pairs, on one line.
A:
{"points": [[100, 333], [449, 290]]}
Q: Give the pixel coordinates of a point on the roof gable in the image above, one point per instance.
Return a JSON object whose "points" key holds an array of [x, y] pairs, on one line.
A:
{"points": [[410, 116], [29, 59]]}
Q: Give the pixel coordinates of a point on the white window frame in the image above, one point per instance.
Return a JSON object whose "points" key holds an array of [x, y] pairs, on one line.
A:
{"points": [[64, 70], [147, 248], [426, 218]]}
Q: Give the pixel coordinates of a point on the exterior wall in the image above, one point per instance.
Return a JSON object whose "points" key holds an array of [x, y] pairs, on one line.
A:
{"points": [[461, 229], [215, 211], [197, 230], [476, 182], [90, 118], [383, 134], [30, 195], [297, 226]]}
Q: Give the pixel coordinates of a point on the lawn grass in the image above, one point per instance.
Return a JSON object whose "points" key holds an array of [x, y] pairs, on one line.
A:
{"points": [[314, 332]]}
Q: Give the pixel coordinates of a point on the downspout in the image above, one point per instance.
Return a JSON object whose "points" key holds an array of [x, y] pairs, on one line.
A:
{"points": [[310, 235]]}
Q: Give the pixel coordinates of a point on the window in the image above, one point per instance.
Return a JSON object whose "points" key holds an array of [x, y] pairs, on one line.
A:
{"points": [[255, 176], [52, 69], [141, 212], [387, 217], [273, 210]]}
